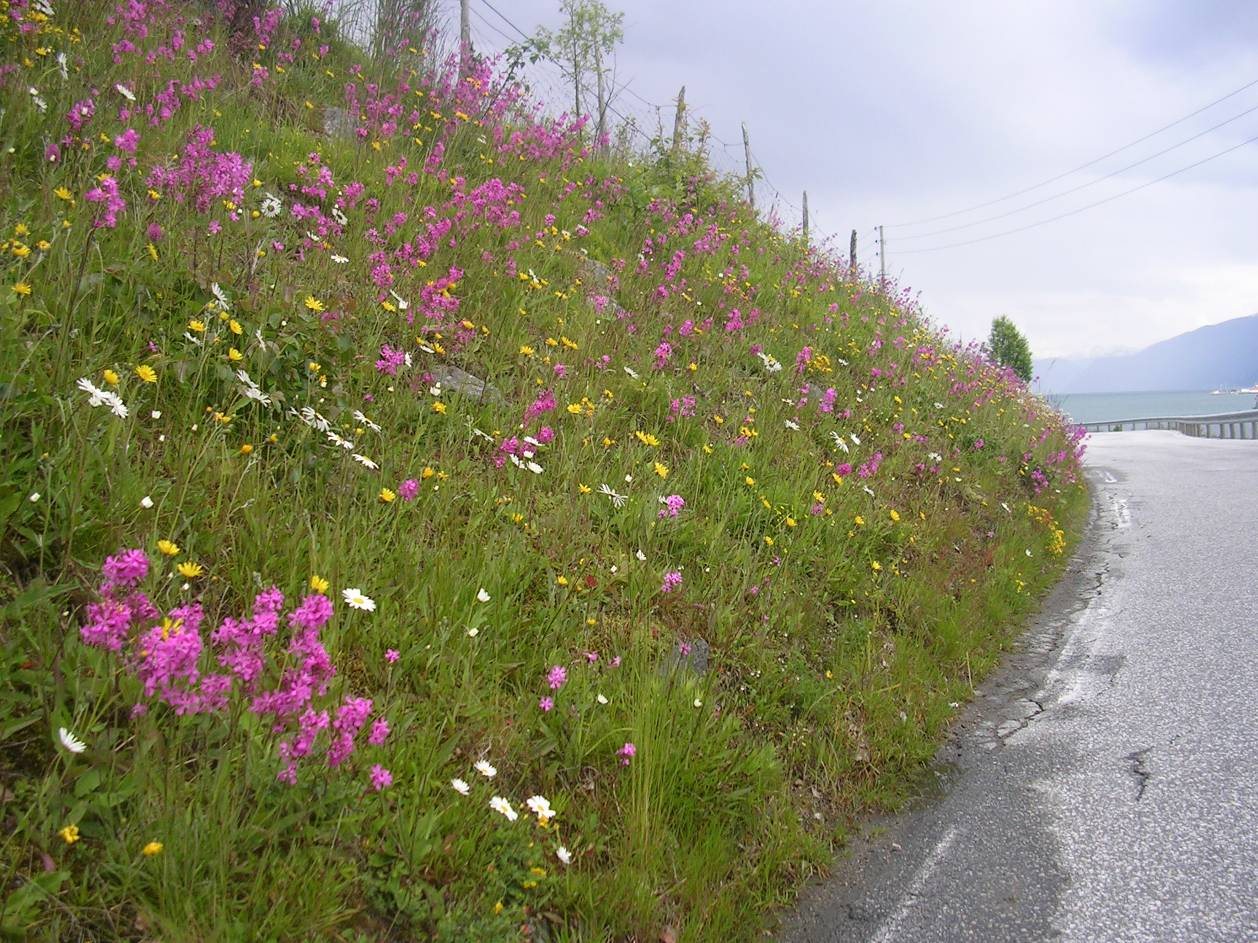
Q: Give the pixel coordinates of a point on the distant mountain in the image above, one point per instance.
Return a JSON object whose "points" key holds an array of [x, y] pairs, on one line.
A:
{"points": [[1218, 356]]}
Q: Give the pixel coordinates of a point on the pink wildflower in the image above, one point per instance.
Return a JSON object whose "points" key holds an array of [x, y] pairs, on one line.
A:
{"points": [[626, 753], [556, 677], [381, 778]]}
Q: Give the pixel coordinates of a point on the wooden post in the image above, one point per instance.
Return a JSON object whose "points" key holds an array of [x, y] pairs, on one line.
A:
{"points": [[679, 121], [805, 217], [882, 259], [851, 255], [751, 188], [465, 38]]}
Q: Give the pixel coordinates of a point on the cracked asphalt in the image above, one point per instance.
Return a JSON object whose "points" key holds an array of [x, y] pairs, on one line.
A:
{"points": [[1103, 786]]}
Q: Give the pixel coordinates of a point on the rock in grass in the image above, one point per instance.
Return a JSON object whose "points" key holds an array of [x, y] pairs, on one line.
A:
{"points": [[690, 656], [460, 381], [337, 122]]}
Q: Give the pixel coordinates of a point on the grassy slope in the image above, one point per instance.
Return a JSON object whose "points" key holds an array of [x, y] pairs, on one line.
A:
{"points": [[843, 613]]}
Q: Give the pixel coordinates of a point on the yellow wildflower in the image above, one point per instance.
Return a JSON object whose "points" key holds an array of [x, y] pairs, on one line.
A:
{"points": [[660, 469], [146, 373], [70, 833], [151, 849], [22, 288], [313, 304], [189, 570], [110, 377], [168, 547], [387, 495], [319, 584], [439, 407]]}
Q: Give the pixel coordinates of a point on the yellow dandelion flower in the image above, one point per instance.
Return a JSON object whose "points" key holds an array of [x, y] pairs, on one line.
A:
{"points": [[61, 193], [387, 495], [189, 570], [234, 326], [860, 521], [197, 327], [70, 834], [895, 515], [168, 547], [313, 304], [151, 849], [152, 251], [561, 580], [146, 373], [22, 288], [584, 488], [246, 449], [660, 469], [439, 407], [234, 355], [875, 565], [319, 584]]}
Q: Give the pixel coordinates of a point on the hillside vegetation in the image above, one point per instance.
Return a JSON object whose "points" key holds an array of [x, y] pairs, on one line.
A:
{"points": [[443, 527]]}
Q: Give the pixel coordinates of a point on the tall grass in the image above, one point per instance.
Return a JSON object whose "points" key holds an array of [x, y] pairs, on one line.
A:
{"points": [[701, 572]]}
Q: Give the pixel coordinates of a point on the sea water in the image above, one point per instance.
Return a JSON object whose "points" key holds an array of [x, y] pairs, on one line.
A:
{"points": [[1102, 407]]}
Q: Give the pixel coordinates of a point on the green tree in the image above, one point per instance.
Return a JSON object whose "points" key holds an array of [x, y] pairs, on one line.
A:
{"points": [[1009, 348], [586, 45]]}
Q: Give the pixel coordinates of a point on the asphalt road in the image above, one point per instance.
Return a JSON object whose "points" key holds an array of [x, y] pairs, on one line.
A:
{"points": [[1104, 784]]}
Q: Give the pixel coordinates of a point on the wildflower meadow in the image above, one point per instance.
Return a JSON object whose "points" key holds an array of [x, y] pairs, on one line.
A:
{"points": [[424, 520]]}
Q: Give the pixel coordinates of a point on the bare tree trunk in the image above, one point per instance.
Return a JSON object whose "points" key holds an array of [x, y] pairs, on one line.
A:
{"points": [[602, 95]]}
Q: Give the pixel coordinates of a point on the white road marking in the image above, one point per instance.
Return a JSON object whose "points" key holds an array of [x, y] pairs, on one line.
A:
{"points": [[1122, 514], [891, 930]]}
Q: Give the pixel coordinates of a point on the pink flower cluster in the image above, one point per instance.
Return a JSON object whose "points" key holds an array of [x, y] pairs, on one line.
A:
{"points": [[243, 660]]}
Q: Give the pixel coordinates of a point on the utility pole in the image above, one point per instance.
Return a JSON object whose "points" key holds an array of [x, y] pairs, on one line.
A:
{"points": [[751, 190], [679, 121], [851, 255], [882, 259], [465, 38], [805, 217]]}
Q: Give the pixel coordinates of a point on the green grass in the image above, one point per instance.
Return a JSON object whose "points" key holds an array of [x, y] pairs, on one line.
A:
{"points": [[844, 614]]}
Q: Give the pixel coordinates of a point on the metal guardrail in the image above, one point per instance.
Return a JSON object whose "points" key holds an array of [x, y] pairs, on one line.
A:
{"points": [[1242, 425]]}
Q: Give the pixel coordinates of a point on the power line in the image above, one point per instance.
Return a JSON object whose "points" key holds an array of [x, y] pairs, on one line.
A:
{"points": [[1076, 212], [1061, 176], [1082, 186]]}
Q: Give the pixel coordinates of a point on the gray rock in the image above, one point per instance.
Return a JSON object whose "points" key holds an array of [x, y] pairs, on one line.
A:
{"points": [[460, 381], [696, 660], [337, 122]]}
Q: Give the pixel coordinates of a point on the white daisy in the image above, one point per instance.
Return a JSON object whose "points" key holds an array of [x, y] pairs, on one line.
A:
{"points": [[146, 502], [791, 424], [631, 373], [95, 394], [540, 807], [501, 805], [617, 500], [220, 296], [563, 854], [339, 259], [356, 600], [70, 741], [125, 92], [359, 417], [365, 462], [482, 595], [460, 786], [601, 699], [483, 767]]}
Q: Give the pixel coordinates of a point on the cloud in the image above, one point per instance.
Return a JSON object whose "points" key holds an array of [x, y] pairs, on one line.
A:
{"points": [[894, 111]]}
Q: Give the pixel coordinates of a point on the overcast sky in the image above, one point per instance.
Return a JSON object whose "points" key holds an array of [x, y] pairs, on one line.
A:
{"points": [[892, 111]]}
